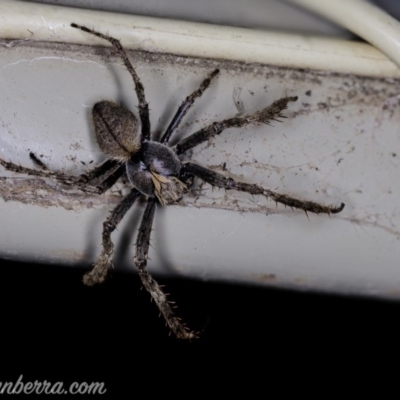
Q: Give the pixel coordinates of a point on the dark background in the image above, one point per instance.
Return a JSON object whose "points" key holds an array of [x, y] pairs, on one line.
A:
{"points": [[55, 328]]}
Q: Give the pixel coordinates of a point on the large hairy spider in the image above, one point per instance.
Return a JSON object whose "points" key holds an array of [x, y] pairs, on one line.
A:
{"points": [[155, 171]]}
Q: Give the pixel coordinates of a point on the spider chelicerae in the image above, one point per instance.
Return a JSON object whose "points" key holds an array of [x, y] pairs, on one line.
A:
{"points": [[155, 171]]}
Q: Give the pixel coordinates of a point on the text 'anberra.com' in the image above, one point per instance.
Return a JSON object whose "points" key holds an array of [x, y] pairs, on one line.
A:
{"points": [[45, 387]]}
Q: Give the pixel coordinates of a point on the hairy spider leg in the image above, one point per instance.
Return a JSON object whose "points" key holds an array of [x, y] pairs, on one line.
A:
{"points": [[221, 181], [111, 179], [143, 104], [104, 262], [185, 106], [100, 170], [45, 173], [142, 248], [265, 116], [109, 165], [80, 182]]}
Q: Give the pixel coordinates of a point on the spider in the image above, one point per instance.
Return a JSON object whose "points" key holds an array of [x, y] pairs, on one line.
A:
{"points": [[155, 171]]}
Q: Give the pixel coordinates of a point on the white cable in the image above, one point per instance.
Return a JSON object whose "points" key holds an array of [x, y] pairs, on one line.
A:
{"points": [[21, 20], [364, 19]]}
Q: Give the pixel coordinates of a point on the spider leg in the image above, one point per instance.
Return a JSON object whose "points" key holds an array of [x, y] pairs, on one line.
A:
{"points": [[98, 171], [185, 106], [216, 179], [80, 182], [106, 174], [160, 298], [265, 116], [143, 105], [103, 264], [44, 172], [110, 180]]}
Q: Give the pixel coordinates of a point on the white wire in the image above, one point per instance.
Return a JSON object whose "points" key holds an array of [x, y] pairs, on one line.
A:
{"points": [[362, 18]]}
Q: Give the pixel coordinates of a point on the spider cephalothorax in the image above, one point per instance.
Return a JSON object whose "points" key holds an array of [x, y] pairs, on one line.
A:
{"points": [[155, 171]]}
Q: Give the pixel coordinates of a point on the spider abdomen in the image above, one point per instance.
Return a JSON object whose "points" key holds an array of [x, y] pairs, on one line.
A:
{"points": [[116, 130]]}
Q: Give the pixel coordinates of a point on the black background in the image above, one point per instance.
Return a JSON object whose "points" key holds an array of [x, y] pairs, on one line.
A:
{"points": [[54, 328]]}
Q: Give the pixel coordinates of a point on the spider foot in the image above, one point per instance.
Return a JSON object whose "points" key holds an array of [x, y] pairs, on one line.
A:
{"points": [[183, 332], [306, 206], [272, 112], [175, 324], [265, 116], [99, 271], [95, 276]]}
